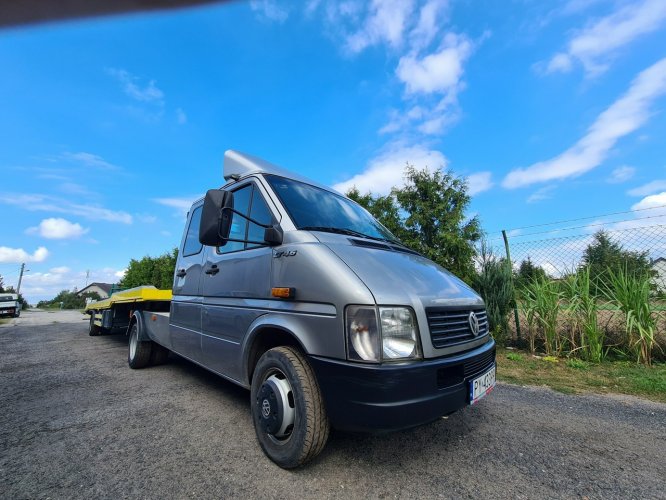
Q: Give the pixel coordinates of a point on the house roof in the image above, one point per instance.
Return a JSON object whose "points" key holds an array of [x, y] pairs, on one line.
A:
{"points": [[104, 286], [655, 261]]}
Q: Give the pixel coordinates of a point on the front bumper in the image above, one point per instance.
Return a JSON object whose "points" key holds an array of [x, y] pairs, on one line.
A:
{"points": [[389, 397]]}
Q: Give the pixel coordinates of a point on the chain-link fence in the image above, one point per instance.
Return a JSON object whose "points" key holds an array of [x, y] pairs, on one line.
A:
{"points": [[559, 253]]}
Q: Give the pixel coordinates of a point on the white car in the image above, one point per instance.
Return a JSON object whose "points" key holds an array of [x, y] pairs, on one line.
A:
{"points": [[10, 305]]}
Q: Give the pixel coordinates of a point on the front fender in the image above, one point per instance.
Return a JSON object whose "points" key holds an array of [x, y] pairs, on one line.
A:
{"points": [[318, 335]]}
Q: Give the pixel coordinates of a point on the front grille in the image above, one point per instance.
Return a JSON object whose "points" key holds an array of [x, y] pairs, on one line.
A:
{"points": [[456, 374], [452, 326], [479, 364]]}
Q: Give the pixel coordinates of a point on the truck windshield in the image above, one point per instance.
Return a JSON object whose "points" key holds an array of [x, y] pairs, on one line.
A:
{"points": [[316, 209], [6, 298]]}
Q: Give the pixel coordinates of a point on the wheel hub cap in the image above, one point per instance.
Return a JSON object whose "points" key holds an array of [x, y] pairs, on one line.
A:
{"points": [[275, 405]]}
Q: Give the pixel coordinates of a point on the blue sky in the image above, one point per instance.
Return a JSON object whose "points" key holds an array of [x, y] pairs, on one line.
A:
{"points": [[111, 127]]}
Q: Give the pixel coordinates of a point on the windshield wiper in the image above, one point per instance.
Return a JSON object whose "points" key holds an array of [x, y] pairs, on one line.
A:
{"points": [[338, 230], [351, 232]]}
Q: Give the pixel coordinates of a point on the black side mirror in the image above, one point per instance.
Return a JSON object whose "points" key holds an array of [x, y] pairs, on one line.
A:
{"points": [[216, 217]]}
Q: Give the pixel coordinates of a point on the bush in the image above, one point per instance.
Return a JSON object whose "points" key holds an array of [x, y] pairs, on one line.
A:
{"points": [[494, 284]]}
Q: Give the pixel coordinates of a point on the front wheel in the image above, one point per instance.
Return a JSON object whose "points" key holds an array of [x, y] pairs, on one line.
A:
{"points": [[287, 408]]}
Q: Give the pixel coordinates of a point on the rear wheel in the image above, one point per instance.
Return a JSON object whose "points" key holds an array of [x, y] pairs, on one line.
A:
{"points": [[138, 355], [93, 329], [159, 354], [287, 408]]}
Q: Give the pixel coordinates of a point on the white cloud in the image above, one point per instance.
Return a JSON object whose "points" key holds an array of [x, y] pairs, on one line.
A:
{"points": [[649, 188], [595, 45], [623, 117], [131, 85], [183, 204], [386, 170], [89, 160], [386, 22], [429, 23], [479, 182], [18, 255], [181, 117], [270, 10], [58, 229], [46, 203], [60, 270], [621, 174], [559, 62], [544, 193], [439, 72], [652, 201]]}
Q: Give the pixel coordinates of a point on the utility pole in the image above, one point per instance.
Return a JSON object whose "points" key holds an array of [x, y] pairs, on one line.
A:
{"points": [[18, 288], [87, 276]]}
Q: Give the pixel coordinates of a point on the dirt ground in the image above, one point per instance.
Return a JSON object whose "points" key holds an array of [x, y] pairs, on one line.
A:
{"points": [[76, 422]]}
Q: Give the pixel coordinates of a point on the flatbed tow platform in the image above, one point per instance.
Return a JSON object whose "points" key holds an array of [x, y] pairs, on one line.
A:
{"points": [[114, 314]]}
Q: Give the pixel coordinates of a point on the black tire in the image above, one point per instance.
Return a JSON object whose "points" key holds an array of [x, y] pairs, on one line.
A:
{"points": [[93, 329], [310, 429], [138, 352], [159, 354], [17, 314]]}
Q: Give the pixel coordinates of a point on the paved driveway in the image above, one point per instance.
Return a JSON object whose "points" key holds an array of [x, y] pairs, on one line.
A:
{"points": [[76, 422]]}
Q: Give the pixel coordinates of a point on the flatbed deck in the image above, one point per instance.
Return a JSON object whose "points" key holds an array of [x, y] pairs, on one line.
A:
{"points": [[138, 294]]}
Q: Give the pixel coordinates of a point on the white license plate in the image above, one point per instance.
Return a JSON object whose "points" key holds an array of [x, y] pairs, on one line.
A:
{"points": [[481, 386]]}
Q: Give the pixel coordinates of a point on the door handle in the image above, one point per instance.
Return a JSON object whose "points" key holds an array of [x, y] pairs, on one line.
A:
{"points": [[181, 273], [213, 269]]}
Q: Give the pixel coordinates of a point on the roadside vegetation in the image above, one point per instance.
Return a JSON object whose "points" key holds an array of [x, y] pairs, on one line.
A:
{"points": [[67, 300], [575, 376]]}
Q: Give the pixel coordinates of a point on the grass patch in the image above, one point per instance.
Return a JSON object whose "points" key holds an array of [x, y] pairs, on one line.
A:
{"points": [[575, 376]]}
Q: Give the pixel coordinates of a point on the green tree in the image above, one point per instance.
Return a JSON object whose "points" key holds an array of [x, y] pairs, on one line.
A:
{"points": [[67, 300], [528, 272], [603, 255], [428, 215], [156, 271]]}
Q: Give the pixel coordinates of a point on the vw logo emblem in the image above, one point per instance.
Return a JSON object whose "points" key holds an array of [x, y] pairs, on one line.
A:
{"points": [[266, 408], [473, 321]]}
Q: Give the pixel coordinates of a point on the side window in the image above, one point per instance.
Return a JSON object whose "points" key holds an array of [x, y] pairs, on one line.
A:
{"points": [[192, 245], [261, 213], [238, 224]]}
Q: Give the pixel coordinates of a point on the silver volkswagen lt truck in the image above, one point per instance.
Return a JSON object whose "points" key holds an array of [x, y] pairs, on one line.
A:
{"points": [[292, 290]]}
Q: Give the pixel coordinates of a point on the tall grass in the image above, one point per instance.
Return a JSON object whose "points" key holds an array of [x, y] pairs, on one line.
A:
{"points": [[541, 302], [631, 293], [587, 338]]}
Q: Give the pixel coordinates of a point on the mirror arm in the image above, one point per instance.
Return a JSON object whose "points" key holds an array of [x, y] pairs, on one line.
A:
{"points": [[265, 226]]}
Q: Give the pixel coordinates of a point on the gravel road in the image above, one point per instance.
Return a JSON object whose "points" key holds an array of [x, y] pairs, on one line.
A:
{"points": [[76, 422]]}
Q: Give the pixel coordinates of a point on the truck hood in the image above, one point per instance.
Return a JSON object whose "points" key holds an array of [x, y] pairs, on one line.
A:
{"points": [[396, 277]]}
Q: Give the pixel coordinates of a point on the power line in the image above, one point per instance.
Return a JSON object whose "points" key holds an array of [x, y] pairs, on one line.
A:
{"points": [[585, 226], [583, 218]]}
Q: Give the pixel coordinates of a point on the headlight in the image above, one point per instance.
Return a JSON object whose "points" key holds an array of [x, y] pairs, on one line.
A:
{"points": [[362, 334], [396, 338], [399, 333]]}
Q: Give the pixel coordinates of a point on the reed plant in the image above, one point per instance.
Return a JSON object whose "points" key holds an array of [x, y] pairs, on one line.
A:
{"points": [[541, 301], [630, 292], [587, 337]]}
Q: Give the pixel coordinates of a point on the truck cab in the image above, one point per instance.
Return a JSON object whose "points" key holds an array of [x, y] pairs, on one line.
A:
{"points": [[290, 289], [10, 305]]}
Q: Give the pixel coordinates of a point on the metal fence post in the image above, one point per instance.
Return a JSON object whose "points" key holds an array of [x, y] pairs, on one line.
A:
{"points": [[515, 302]]}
